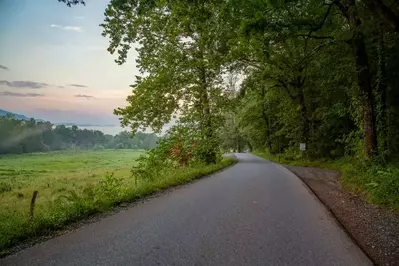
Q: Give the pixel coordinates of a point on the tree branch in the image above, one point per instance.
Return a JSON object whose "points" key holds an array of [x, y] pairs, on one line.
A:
{"points": [[315, 37]]}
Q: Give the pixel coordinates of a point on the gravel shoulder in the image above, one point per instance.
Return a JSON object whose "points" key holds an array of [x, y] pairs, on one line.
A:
{"points": [[376, 230]]}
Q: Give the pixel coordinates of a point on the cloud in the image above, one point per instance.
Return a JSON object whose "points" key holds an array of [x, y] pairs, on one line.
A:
{"points": [[78, 85], [61, 87], [79, 17], [14, 94], [4, 67], [88, 97], [96, 48], [23, 84], [69, 28]]}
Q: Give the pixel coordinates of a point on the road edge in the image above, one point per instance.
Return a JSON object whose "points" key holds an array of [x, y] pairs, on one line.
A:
{"points": [[95, 217], [332, 213]]}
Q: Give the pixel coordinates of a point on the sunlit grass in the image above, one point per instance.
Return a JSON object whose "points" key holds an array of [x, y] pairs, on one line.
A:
{"points": [[73, 185]]}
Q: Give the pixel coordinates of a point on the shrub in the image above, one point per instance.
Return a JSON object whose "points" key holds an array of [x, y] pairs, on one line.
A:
{"points": [[181, 147], [119, 146], [98, 147]]}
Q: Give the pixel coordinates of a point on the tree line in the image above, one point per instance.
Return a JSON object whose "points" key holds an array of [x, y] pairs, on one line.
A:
{"points": [[25, 136], [320, 72]]}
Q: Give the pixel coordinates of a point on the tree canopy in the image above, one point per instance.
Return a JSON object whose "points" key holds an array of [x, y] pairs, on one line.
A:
{"points": [[316, 72]]}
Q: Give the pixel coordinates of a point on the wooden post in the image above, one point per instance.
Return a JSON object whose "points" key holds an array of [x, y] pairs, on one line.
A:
{"points": [[32, 203]]}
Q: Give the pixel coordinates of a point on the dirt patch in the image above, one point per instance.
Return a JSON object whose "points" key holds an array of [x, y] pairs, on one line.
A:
{"points": [[375, 230]]}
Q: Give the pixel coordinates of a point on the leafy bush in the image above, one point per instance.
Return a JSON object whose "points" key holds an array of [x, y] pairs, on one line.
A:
{"points": [[120, 146], [98, 147], [181, 147]]}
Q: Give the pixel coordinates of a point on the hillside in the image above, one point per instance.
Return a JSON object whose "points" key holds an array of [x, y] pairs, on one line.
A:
{"points": [[16, 116]]}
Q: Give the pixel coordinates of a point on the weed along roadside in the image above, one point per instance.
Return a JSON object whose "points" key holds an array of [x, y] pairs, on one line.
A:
{"points": [[43, 215]]}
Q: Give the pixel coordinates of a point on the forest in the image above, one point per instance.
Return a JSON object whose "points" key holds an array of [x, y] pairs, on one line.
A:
{"points": [[284, 72], [265, 76], [20, 136]]}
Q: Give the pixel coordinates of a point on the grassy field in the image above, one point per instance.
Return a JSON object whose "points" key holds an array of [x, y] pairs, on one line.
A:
{"points": [[54, 173], [71, 186], [378, 183]]}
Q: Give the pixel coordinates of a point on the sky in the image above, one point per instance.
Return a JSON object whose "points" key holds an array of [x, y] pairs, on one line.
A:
{"points": [[54, 64]]}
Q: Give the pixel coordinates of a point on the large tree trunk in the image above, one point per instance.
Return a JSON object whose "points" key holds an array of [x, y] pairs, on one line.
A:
{"points": [[266, 119], [383, 13], [209, 153], [382, 92], [348, 9], [304, 115]]}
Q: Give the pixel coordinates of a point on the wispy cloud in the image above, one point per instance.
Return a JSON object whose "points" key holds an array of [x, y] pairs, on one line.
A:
{"points": [[4, 67], [79, 17], [88, 97], [69, 28], [61, 87], [23, 84], [78, 85], [96, 48], [15, 94]]}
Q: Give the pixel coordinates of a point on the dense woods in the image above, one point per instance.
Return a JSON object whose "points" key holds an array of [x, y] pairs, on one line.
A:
{"points": [[21, 136], [322, 73]]}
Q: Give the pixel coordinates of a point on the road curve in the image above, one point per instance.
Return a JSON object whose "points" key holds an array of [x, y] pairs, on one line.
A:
{"points": [[254, 213]]}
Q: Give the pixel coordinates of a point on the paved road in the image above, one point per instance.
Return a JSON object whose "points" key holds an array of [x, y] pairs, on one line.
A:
{"points": [[254, 213]]}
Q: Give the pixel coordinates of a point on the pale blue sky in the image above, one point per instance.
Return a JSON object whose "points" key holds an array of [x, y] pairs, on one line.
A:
{"points": [[52, 46]]}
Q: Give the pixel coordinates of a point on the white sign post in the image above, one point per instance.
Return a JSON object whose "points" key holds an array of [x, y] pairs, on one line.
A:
{"points": [[302, 146]]}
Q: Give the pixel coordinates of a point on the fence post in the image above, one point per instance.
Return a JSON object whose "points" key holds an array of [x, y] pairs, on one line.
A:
{"points": [[32, 203]]}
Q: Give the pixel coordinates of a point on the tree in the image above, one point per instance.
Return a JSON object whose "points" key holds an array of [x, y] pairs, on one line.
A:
{"points": [[181, 47], [70, 3]]}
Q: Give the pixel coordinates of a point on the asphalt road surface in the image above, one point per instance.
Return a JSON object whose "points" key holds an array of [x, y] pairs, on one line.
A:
{"points": [[254, 213]]}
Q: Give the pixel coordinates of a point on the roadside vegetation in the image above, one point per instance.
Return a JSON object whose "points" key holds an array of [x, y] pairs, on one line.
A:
{"points": [[378, 183], [74, 185]]}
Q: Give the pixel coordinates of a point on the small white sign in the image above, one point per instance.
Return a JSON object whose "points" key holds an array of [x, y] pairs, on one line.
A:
{"points": [[302, 146]]}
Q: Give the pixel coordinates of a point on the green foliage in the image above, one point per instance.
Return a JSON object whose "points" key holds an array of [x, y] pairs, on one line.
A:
{"points": [[98, 147], [5, 187], [120, 146], [70, 3], [378, 183], [181, 147], [57, 209], [181, 49]]}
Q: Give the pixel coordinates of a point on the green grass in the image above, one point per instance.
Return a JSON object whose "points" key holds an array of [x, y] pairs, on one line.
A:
{"points": [[73, 185], [379, 184]]}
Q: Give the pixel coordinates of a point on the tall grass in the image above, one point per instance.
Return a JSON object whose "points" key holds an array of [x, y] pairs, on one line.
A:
{"points": [[77, 203]]}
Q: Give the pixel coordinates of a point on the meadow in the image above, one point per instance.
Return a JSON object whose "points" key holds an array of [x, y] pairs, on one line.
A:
{"points": [[54, 173], [72, 185]]}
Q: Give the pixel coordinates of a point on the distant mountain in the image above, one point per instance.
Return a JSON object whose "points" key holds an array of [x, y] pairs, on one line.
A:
{"points": [[82, 125], [16, 116], [22, 117]]}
